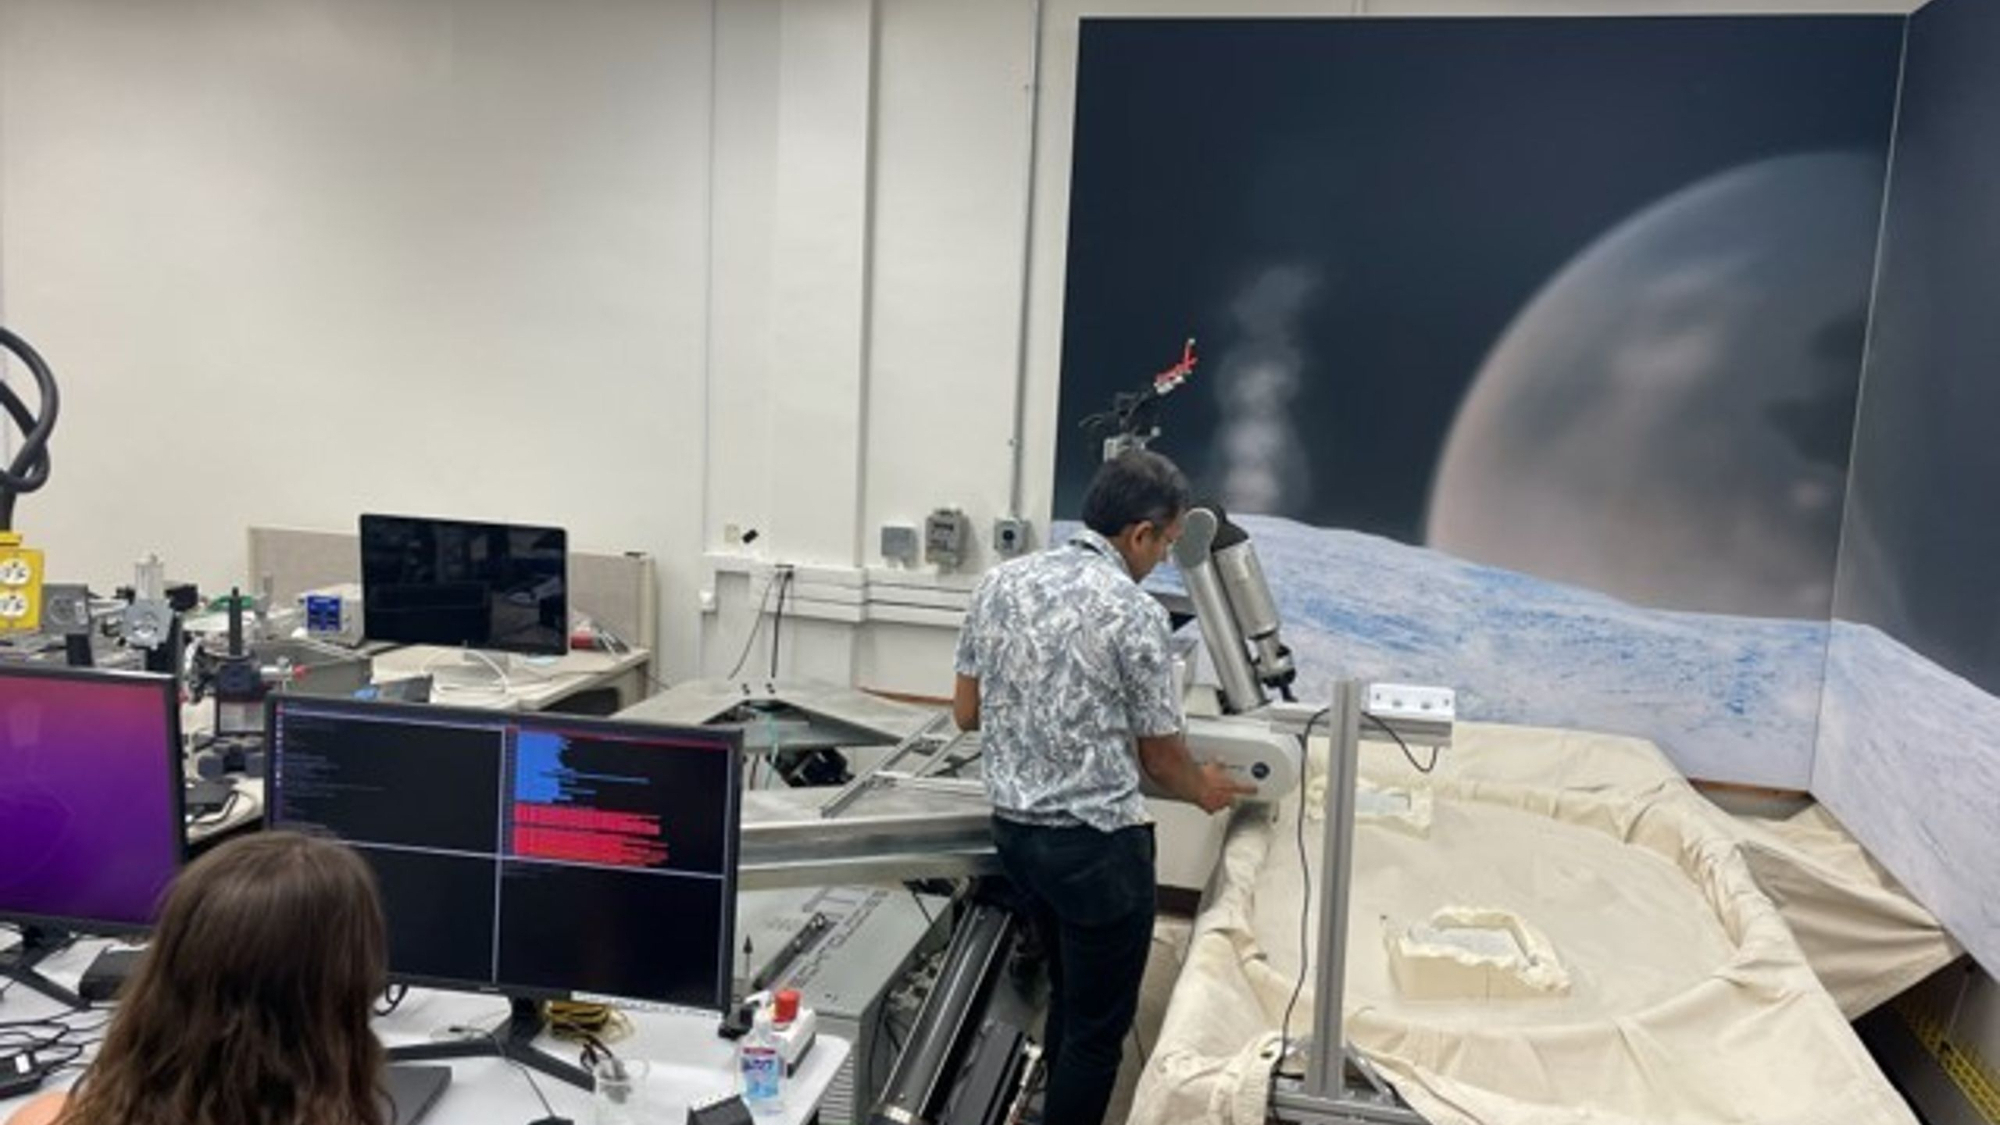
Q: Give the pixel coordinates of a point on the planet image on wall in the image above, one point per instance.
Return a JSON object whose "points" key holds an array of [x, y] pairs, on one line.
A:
{"points": [[1668, 421]]}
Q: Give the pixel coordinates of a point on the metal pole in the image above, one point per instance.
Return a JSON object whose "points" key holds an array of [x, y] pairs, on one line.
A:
{"points": [[1325, 1064]]}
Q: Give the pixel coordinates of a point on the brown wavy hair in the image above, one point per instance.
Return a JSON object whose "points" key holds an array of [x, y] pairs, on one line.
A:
{"points": [[251, 1005]]}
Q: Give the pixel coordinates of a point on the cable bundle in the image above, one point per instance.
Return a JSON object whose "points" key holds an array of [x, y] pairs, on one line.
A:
{"points": [[29, 469]]}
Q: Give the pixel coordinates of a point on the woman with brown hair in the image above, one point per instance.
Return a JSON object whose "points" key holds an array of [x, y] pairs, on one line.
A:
{"points": [[251, 1005]]}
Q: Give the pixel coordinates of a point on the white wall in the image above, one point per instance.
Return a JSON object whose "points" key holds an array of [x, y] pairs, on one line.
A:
{"points": [[295, 260]]}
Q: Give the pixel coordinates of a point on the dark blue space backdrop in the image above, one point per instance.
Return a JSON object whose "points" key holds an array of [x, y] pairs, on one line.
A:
{"points": [[1583, 298], [1922, 547], [1908, 749]]}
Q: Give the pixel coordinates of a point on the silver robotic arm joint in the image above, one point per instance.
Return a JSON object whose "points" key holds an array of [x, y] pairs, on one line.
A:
{"points": [[1232, 600]]}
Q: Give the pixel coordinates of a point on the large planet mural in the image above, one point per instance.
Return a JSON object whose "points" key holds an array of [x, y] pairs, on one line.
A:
{"points": [[1669, 419]]}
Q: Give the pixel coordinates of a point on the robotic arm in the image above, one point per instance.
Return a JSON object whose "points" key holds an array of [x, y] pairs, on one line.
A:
{"points": [[1232, 601], [1257, 741]]}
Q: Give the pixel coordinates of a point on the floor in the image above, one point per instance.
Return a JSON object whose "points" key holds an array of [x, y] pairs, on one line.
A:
{"points": [[1170, 939]]}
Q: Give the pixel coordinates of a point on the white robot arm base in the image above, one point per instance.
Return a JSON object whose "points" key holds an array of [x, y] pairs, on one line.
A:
{"points": [[1249, 749]]}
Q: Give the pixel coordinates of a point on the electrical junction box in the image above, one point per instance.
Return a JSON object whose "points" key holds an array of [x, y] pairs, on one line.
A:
{"points": [[20, 585], [947, 538], [1010, 536], [899, 543]]}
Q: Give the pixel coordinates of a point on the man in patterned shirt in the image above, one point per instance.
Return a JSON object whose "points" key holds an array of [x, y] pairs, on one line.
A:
{"points": [[1064, 666]]}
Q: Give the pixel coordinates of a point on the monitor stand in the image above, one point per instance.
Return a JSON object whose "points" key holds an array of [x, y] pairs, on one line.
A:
{"points": [[18, 964], [514, 1042]]}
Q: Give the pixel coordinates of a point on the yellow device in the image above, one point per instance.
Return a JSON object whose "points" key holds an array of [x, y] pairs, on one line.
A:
{"points": [[20, 585]]}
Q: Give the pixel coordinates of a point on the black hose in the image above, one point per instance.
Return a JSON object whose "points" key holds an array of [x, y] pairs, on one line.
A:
{"points": [[30, 467]]}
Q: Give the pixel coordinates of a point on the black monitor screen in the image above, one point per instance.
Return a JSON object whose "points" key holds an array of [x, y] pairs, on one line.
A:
{"points": [[90, 796], [536, 855], [448, 582]]}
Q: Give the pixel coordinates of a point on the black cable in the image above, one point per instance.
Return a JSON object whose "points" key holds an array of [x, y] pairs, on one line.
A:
{"points": [[778, 620], [54, 1045], [79, 1062], [30, 467], [221, 814], [929, 918], [392, 998], [881, 1033], [1386, 729], [55, 1023], [756, 627], [1305, 913], [525, 1073]]}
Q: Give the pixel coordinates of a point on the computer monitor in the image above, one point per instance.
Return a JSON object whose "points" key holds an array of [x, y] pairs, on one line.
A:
{"points": [[538, 856], [90, 806], [478, 585]]}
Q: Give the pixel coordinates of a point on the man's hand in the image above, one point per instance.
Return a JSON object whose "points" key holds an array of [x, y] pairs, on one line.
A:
{"points": [[1218, 790], [1209, 788]]}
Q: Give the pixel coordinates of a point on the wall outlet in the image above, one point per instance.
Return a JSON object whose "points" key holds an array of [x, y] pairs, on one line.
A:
{"points": [[899, 543], [1011, 536], [20, 585], [1411, 701]]}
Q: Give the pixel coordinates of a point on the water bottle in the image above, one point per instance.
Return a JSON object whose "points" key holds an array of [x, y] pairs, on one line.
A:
{"points": [[763, 1067]]}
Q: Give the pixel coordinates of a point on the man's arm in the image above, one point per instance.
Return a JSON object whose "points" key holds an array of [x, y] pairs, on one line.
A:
{"points": [[1154, 711], [965, 702]]}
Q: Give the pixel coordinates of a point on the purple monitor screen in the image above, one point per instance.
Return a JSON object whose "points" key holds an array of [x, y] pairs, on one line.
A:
{"points": [[90, 796]]}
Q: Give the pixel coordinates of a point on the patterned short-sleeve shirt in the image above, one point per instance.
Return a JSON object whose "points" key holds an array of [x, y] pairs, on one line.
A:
{"points": [[1073, 663]]}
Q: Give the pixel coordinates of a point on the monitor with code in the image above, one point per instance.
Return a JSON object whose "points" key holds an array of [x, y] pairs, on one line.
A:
{"points": [[536, 855]]}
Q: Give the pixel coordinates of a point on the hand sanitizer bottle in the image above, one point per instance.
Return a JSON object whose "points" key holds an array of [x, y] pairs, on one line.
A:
{"points": [[763, 1067]]}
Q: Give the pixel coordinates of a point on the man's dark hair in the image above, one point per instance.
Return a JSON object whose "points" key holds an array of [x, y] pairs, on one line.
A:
{"points": [[1137, 486]]}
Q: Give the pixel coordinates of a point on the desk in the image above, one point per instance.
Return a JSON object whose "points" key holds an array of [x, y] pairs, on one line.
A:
{"points": [[687, 1059], [531, 686]]}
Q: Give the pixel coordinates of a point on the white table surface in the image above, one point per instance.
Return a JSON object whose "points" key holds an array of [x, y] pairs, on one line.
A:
{"points": [[532, 682], [686, 1058]]}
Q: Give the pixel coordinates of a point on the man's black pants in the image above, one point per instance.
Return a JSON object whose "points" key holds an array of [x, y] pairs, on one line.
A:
{"points": [[1090, 894]]}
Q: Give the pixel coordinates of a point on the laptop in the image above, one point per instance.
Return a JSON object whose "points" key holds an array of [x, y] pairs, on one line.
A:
{"points": [[413, 1090]]}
